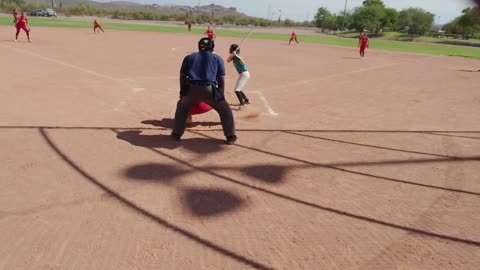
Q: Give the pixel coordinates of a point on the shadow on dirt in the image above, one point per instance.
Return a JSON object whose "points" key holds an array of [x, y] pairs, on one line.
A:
{"points": [[210, 202]]}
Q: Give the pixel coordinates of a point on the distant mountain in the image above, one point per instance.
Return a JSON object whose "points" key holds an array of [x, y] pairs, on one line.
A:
{"points": [[197, 10]]}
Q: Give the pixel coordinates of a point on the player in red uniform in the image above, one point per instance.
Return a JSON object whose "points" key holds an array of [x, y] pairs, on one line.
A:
{"points": [[293, 37], [22, 23], [15, 16], [210, 34], [97, 25], [363, 44]]}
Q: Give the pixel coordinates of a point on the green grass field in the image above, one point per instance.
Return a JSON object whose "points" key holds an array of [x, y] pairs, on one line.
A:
{"points": [[380, 44]]}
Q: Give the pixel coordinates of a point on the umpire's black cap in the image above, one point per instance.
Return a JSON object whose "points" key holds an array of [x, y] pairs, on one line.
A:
{"points": [[206, 44]]}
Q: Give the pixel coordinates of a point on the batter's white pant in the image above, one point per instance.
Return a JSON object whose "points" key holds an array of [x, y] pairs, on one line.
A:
{"points": [[242, 81]]}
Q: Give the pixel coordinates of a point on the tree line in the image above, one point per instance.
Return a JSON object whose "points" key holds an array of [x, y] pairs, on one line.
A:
{"points": [[374, 17], [467, 25]]}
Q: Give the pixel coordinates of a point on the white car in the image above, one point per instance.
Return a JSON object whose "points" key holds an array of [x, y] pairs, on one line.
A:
{"points": [[51, 12]]}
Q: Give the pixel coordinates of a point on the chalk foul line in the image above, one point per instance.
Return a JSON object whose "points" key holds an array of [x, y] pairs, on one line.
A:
{"points": [[266, 104]]}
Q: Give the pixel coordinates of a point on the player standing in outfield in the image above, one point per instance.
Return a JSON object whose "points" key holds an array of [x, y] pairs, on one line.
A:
{"points": [[15, 16], [210, 34], [293, 37], [243, 73], [97, 25], [363, 44], [22, 23]]}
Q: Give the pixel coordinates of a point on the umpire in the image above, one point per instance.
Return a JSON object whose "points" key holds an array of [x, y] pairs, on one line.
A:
{"points": [[202, 79]]}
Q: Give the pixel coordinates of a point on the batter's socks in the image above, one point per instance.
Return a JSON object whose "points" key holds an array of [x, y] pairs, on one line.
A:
{"points": [[240, 97], [247, 101]]}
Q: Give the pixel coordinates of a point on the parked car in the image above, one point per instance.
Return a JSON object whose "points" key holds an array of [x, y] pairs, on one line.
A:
{"points": [[51, 13], [38, 12]]}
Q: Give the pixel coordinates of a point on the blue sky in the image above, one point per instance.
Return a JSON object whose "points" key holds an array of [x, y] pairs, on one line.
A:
{"points": [[299, 10]]}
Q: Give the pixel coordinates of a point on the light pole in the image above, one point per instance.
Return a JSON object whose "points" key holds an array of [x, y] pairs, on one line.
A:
{"points": [[344, 15], [279, 16]]}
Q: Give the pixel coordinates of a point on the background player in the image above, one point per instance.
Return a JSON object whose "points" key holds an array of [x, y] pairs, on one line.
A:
{"points": [[97, 25], [293, 37], [363, 44], [242, 70], [22, 23], [210, 34]]}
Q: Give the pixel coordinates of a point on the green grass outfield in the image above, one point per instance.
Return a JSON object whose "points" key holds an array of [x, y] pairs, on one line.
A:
{"points": [[411, 47]]}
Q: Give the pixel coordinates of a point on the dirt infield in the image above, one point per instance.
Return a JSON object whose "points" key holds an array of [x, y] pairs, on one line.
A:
{"points": [[341, 163]]}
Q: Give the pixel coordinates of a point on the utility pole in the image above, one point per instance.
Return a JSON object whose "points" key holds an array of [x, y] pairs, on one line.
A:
{"points": [[344, 15]]}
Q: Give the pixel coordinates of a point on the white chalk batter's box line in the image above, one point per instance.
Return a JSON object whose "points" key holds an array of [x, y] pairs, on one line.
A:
{"points": [[266, 104]]}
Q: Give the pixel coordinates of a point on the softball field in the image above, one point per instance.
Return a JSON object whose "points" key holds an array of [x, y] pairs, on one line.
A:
{"points": [[341, 163]]}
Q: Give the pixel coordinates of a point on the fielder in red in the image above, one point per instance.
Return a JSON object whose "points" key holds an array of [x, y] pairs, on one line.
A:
{"points": [[22, 23], [363, 44], [15, 16], [293, 37], [97, 25], [210, 34]]}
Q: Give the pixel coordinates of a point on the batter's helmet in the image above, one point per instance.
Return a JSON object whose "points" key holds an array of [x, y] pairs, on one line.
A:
{"points": [[206, 44], [234, 48]]}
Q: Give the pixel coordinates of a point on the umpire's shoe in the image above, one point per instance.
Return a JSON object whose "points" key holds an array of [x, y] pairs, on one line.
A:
{"points": [[177, 137], [231, 139]]}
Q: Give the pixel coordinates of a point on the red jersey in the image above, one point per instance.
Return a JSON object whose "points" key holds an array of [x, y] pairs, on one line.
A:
{"points": [[209, 34], [22, 21], [363, 40], [95, 23], [294, 35]]}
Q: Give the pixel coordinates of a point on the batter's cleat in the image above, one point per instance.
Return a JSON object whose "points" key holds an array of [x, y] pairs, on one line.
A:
{"points": [[177, 137], [247, 101], [231, 139], [15, 40]]}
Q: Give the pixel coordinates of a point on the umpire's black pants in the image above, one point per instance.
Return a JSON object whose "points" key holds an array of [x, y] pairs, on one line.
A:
{"points": [[195, 95]]}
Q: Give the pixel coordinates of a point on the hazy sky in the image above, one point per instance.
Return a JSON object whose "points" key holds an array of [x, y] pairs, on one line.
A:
{"points": [[301, 10]]}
